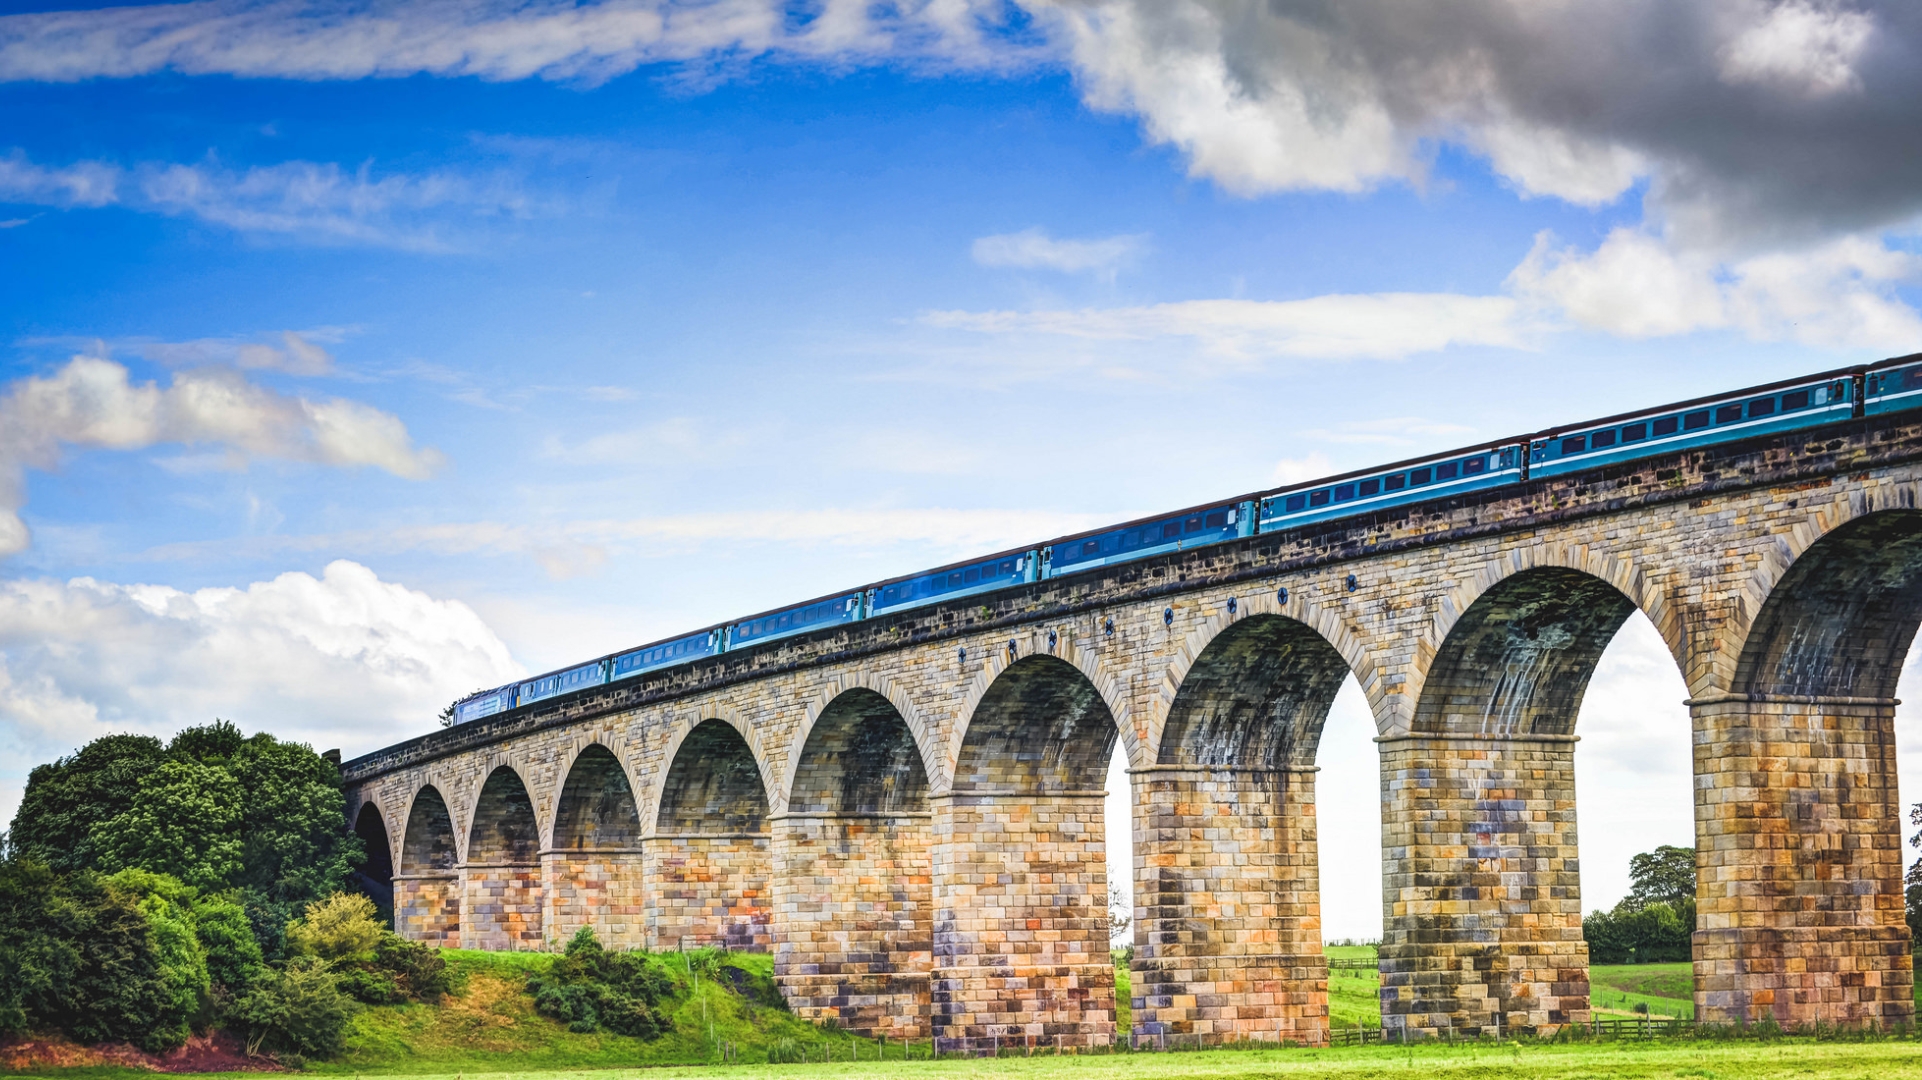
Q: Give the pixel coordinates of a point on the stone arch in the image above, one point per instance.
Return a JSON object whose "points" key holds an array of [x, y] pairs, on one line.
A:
{"points": [[1338, 635], [430, 842], [1106, 686], [925, 737], [859, 756], [1256, 696], [1624, 578], [1042, 726], [683, 728], [1838, 622], [1518, 660], [714, 784], [596, 809], [375, 876], [505, 828]]}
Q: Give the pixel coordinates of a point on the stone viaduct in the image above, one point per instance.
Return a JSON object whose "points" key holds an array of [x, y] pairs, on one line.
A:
{"points": [[908, 811]]}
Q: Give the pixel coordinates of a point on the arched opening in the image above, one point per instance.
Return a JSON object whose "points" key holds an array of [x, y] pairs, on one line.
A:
{"points": [[427, 888], [595, 870], [1021, 835], [375, 877], [1800, 866], [852, 874], [503, 870], [710, 850], [1482, 872], [1229, 949]]}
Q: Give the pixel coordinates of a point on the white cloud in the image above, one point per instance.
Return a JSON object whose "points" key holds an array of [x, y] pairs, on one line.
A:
{"points": [[1296, 470], [1035, 249], [344, 660], [1334, 327], [490, 39], [1838, 295], [1805, 47], [314, 201], [91, 402], [297, 352]]}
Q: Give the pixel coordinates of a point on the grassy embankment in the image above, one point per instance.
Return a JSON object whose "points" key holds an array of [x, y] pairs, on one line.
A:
{"points": [[1614, 990]]}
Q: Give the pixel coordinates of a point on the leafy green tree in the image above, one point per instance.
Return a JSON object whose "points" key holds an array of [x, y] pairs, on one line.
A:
{"points": [[299, 1009], [339, 928], [1663, 876], [64, 801], [1912, 894], [184, 992], [183, 822]]}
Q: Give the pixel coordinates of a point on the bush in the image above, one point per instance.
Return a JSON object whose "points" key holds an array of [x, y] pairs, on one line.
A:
{"points": [[234, 959], [590, 989], [185, 991], [418, 968], [340, 928], [298, 1010]]}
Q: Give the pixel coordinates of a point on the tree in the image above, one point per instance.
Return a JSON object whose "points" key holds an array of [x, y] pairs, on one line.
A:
{"points": [[1665, 875], [1912, 894], [64, 801], [181, 822]]}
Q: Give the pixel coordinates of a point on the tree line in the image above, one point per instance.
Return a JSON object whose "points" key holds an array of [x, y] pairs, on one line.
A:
{"points": [[149, 891]]}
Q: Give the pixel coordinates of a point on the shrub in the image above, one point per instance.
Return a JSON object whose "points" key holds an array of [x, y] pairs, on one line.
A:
{"points": [[418, 968], [590, 989], [234, 959], [298, 1010], [340, 928]]}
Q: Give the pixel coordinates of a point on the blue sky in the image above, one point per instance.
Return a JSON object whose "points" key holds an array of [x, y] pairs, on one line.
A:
{"points": [[359, 355]]}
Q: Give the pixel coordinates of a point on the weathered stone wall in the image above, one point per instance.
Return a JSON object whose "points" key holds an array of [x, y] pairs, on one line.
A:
{"points": [[1482, 919], [852, 917], [1705, 543], [707, 891], [1228, 904], [599, 889], [427, 908]]}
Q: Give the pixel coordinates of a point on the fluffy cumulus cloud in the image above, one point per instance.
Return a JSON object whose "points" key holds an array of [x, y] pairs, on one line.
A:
{"points": [[342, 660], [93, 402]]}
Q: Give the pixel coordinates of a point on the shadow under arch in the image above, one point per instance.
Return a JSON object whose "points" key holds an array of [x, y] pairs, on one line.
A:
{"points": [[1228, 880], [594, 873], [503, 871], [427, 884], [375, 877], [1799, 867], [709, 853], [1021, 834], [852, 876]]}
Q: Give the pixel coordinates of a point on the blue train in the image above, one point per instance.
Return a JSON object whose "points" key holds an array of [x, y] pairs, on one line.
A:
{"points": [[1889, 386]]}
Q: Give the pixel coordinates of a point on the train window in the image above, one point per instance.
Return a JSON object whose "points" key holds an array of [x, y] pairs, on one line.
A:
{"points": [[1911, 377], [1761, 406], [1296, 502], [1473, 465], [1007, 566], [1319, 498], [1446, 470], [1344, 492], [1575, 444], [1665, 426], [1091, 547], [971, 576], [1601, 439], [1395, 482], [1691, 421], [1726, 414], [1171, 530], [1638, 432], [1218, 520], [1797, 400], [1193, 524], [1419, 476], [1370, 487]]}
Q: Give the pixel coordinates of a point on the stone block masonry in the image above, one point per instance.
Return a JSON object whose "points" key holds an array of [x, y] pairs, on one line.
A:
{"points": [[1784, 574]]}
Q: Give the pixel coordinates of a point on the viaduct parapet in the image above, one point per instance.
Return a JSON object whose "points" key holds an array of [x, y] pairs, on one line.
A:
{"points": [[907, 811]]}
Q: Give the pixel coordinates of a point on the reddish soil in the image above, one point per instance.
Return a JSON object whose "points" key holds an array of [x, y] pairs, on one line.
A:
{"points": [[218, 1052]]}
